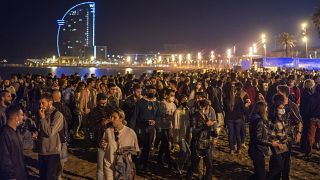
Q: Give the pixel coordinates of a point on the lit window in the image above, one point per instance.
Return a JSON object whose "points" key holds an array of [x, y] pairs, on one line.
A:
{"points": [[80, 20]]}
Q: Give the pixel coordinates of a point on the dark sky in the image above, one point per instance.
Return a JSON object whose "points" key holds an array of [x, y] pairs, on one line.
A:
{"points": [[28, 27]]}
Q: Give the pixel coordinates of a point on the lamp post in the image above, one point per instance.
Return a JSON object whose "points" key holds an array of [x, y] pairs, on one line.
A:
{"points": [[263, 40], [229, 55], [250, 55], [212, 57], [188, 58], [199, 57], [304, 36]]}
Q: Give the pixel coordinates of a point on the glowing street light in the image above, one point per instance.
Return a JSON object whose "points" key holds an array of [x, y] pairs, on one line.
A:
{"points": [[53, 58], [159, 59], [304, 36], [254, 48], [128, 59], [199, 56], [180, 58], [212, 55], [264, 40], [189, 58], [229, 55], [92, 58], [173, 57]]}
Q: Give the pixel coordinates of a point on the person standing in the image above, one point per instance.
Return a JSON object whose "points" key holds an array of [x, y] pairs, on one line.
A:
{"points": [[5, 101], [146, 115], [118, 141], [12, 164], [51, 122], [202, 139], [99, 118], [259, 144], [293, 122], [181, 132], [165, 127], [88, 101], [279, 132], [235, 108]]}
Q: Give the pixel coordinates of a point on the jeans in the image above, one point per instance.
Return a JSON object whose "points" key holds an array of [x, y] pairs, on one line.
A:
{"points": [[100, 174], [145, 139], [184, 154], [164, 146], [276, 166], [195, 159], [50, 167], [258, 163], [234, 133]]}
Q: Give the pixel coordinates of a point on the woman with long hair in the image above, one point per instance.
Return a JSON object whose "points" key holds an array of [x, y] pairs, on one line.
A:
{"points": [[259, 144], [235, 108]]}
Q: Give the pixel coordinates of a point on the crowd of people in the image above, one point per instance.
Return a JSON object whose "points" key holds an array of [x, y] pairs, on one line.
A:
{"points": [[177, 117]]}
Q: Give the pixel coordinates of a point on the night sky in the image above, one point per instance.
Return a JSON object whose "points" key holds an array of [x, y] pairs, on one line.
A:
{"points": [[28, 27]]}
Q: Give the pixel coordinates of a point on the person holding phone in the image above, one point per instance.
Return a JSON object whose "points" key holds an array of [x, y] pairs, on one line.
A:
{"points": [[119, 142]]}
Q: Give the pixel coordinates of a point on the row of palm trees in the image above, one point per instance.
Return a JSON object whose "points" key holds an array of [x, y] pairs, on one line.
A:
{"points": [[288, 41]]}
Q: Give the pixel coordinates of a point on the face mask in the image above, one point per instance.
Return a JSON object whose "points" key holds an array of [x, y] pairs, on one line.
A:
{"points": [[171, 99], [281, 111], [151, 95]]}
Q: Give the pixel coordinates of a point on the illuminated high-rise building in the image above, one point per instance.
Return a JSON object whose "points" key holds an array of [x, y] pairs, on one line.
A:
{"points": [[76, 31]]}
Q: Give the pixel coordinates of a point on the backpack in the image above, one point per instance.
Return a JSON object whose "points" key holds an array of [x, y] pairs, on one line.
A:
{"points": [[63, 133]]}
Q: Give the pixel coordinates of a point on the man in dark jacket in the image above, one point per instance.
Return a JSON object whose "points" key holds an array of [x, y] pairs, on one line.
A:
{"points": [[131, 101], [12, 164], [5, 100], [99, 118], [306, 95]]}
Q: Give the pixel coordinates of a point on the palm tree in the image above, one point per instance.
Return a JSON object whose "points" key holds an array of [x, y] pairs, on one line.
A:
{"points": [[316, 20], [287, 40]]}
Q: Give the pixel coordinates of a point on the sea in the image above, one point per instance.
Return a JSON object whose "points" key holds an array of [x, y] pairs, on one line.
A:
{"points": [[6, 72]]}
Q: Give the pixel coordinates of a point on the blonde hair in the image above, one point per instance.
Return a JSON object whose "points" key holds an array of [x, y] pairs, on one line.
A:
{"points": [[121, 114]]}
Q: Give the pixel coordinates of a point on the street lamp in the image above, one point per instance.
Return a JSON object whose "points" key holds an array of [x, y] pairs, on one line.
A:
{"points": [[304, 36], [188, 58], [250, 54], [263, 40], [229, 55], [305, 39], [173, 58], [128, 59], [254, 48], [199, 57]]}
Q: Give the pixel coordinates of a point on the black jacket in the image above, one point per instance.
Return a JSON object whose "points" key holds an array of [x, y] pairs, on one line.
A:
{"points": [[201, 133], [12, 164], [259, 135]]}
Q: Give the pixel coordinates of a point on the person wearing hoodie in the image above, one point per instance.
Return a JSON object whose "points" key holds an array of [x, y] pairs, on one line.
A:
{"points": [[146, 115]]}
